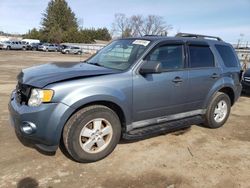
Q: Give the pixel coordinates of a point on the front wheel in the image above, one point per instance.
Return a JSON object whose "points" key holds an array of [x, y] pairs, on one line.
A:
{"points": [[218, 110], [92, 133]]}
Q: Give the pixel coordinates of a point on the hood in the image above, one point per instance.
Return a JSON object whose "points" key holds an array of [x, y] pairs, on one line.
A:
{"points": [[40, 76]]}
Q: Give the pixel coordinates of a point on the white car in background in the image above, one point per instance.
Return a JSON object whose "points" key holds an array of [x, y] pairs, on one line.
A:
{"points": [[12, 45], [47, 47], [72, 50]]}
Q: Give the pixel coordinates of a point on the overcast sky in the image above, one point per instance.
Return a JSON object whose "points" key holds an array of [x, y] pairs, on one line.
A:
{"points": [[225, 18]]}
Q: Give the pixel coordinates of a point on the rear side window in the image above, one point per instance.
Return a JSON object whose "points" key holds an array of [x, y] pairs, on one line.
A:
{"points": [[227, 55], [200, 56]]}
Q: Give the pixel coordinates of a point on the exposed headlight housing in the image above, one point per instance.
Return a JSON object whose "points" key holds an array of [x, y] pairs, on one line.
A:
{"points": [[39, 96]]}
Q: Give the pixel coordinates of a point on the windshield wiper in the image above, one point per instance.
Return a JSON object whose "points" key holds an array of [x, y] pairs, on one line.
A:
{"points": [[96, 64]]}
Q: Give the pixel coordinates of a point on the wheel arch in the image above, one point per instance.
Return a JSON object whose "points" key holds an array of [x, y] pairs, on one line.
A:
{"points": [[112, 105], [225, 88], [230, 92]]}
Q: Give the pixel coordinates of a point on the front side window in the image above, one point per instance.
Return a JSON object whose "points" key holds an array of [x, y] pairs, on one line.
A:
{"points": [[200, 56], [120, 54], [170, 56]]}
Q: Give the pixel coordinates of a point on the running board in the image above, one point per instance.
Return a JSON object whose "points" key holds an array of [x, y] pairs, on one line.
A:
{"points": [[151, 130]]}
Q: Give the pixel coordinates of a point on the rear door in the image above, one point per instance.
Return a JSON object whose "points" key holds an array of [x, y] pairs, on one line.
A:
{"points": [[203, 73], [162, 94]]}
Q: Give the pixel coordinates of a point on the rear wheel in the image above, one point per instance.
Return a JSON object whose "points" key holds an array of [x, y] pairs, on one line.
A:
{"points": [[92, 133], [218, 110], [8, 48]]}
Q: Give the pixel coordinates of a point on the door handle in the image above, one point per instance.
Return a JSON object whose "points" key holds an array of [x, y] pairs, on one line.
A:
{"points": [[215, 75], [177, 79]]}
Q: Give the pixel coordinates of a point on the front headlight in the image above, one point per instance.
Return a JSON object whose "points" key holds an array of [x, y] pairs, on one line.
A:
{"points": [[39, 96]]}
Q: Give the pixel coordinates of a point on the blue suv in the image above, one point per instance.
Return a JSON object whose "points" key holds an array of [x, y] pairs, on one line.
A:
{"points": [[133, 88]]}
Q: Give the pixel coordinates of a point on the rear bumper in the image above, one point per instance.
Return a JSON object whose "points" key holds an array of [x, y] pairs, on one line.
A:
{"points": [[47, 121]]}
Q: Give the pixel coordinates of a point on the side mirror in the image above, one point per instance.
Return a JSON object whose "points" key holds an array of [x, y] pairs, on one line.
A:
{"points": [[151, 67]]}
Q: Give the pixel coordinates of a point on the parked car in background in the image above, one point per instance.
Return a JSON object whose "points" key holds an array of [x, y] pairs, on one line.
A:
{"points": [[47, 47], [41, 46], [59, 47], [13, 45], [62, 47], [33, 46], [72, 50], [246, 81]]}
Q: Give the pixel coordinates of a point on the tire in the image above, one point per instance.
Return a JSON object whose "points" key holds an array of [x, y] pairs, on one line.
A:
{"points": [[79, 53], [8, 48], [86, 121], [218, 111], [67, 52], [47, 50]]}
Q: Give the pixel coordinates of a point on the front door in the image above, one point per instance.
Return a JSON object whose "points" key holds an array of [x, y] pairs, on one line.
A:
{"points": [[162, 94]]}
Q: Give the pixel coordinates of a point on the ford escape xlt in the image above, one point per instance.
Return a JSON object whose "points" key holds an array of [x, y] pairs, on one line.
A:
{"points": [[132, 88]]}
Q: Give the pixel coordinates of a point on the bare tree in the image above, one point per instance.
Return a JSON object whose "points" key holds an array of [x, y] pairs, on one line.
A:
{"points": [[137, 25], [155, 25], [120, 26]]}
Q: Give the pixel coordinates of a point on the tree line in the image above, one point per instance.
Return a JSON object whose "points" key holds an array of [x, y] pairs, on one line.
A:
{"points": [[59, 24], [71, 35]]}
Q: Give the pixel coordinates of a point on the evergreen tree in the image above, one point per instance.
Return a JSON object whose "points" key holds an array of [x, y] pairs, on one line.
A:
{"points": [[57, 20]]}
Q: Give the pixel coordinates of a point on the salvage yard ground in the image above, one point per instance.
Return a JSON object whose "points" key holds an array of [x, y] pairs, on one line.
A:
{"points": [[197, 157]]}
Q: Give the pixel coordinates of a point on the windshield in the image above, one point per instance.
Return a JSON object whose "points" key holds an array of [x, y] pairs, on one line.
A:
{"points": [[120, 54]]}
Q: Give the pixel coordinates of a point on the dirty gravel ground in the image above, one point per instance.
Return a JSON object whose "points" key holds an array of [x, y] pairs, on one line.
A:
{"points": [[198, 157]]}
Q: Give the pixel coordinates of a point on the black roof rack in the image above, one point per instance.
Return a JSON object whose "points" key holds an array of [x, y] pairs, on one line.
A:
{"points": [[197, 36]]}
